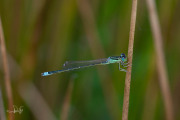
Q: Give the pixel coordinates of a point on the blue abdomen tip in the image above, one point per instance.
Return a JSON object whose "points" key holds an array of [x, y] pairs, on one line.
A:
{"points": [[45, 74]]}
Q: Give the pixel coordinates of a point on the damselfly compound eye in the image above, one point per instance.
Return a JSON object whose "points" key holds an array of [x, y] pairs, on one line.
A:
{"points": [[123, 56]]}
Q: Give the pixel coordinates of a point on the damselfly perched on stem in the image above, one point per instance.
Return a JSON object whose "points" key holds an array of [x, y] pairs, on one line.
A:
{"points": [[72, 65]]}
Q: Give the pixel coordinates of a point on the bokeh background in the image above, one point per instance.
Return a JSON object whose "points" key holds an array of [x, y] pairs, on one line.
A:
{"points": [[40, 35]]}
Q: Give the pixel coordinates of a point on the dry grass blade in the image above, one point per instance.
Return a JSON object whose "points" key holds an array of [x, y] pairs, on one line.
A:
{"points": [[35, 101], [65, 109], [163, 78], [2, 110], [130, 56], [6, 72]]}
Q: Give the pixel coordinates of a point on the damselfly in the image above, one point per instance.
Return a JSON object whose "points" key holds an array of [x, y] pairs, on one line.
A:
{"points": [[72, 65]]}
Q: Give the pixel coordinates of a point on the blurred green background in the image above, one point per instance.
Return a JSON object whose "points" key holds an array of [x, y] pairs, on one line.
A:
{"points": [[41, 35]]}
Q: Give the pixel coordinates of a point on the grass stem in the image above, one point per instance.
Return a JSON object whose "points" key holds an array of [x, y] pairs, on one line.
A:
{"points": [[6, 73], [162, 71], [130, 56]]}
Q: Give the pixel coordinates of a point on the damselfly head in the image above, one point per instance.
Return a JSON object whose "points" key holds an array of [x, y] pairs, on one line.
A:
{"points": [[123, 57]]}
